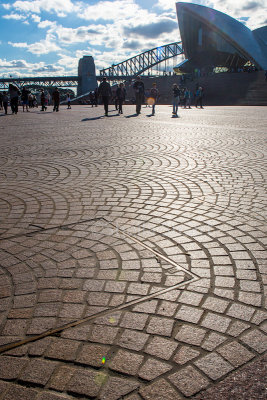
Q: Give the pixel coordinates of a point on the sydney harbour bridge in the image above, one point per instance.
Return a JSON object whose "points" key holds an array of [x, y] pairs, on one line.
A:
{"points": [[144, 63]]}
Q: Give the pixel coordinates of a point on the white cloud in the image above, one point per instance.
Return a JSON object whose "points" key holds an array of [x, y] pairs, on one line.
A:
{"points": [[35, 18], [46, 24], [59, 7], [110, 10], [44, 46], [14, 16], [21, 44], [6, 6]]}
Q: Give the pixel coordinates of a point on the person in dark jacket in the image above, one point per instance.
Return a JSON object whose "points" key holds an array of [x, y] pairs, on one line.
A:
{"points": [[121, 94], [14, 93], [104, 91], [139, 89], [25, 98], [5, 101], [176, 98], [43, 101], [56, 99]]}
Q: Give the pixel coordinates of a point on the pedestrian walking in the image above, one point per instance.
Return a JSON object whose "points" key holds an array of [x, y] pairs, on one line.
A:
{"points": [[43, 101], [121, 94], [147, 93], [68, 101], [14, 93], [56, 98], [104, 91], [187, 95], [25, 99], [176, 98], [5, 101], [139, 89], [91, 98], [199, 97], [154, 96]]}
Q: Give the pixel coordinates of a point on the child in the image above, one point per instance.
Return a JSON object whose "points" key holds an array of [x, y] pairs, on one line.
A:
{"points": [[154, 95]]}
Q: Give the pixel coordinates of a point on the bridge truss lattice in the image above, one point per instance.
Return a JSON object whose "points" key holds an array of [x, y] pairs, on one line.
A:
{"points": [[46, 82], [145, 61]]}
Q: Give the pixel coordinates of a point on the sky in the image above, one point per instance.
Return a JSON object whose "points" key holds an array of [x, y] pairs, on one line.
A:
{"points": [[48, 37]]}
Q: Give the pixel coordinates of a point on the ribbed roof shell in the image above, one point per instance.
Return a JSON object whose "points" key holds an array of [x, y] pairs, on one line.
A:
{"points": [[241, 37]]}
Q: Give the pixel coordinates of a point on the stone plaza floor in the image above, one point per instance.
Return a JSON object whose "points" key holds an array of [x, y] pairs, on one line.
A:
{"points": [[132, 254]]}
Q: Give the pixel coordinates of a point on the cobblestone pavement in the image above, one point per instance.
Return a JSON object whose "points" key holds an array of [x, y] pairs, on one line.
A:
{"points": [[132, 252]]}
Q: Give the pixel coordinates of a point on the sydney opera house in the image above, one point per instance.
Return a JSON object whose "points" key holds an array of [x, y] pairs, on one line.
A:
{"points": [[213, 39]]}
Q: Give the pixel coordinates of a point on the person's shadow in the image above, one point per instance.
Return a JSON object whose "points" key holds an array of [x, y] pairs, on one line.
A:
{"points": [[92, 119], [131, 116]]}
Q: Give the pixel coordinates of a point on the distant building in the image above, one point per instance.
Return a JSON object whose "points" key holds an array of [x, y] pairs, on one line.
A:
{"points": [[213, 39], [86, 75]]}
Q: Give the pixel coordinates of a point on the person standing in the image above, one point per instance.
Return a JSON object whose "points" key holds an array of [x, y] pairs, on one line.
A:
{"points": [[25, 99], [104, 91], [176, 98], [56, 99], [139, 89], [154, 95], [68, 101], [120, 95], [43, 101], [14, 98], [187, 95], [199, 97], [5, 101]]}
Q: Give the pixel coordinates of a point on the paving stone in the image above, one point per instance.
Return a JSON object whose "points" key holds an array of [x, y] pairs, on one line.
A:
{"points": [[160, 389], [160, 326], [216, 322], [256, 340], [10, 367], [61, 377], [191, 335], [241, 312], [51, 396], [153, 368], [133, 340], [103, 334], [92, 354], [160, 347], [63, 349], [167, 308], [39, 371], [214, 366], [132, 320], [189, 314], [212, 341], [115, 388], [235, 353], [16, 392], [189, 381], [85, 382], [185, 354], [126, 362], [146, 307], [215, 304]]}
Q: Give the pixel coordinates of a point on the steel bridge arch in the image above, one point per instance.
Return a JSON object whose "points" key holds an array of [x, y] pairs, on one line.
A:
{"points": [[142, 62]]}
